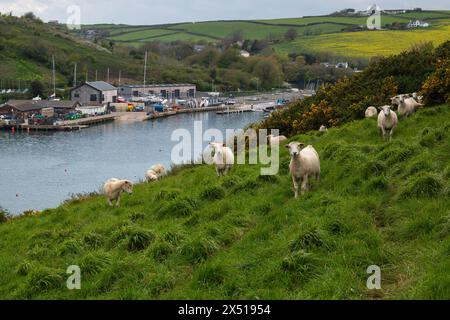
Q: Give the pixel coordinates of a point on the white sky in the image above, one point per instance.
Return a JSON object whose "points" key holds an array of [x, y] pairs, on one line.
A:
{"points": [[148, 12]]}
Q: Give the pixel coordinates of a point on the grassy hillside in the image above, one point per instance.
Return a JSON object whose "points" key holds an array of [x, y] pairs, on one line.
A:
{"points": [[193, 235], [26, 48]]}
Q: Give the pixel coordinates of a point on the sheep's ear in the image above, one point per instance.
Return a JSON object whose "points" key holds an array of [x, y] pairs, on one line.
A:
{"points": [[288, 146], [224, 145], [301, 145]]}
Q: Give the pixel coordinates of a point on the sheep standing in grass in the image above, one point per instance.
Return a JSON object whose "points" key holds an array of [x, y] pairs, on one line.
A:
{"points": [[406, 106], [305, 162], [371, 112], [155, 173], [223, 158], [387, 121], [113, 188], [323, 129], [275, 140]]}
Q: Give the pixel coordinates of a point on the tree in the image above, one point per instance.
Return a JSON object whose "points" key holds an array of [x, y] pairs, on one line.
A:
{"points": [[268, 71], [37, 88], [291, 34]]}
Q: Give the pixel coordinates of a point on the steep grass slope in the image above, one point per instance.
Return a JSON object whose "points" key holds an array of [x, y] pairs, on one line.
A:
{"points": [[193, 235]]}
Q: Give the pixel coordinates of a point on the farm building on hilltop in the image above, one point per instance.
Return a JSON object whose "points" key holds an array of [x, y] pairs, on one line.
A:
{"points": [[94, 93]]}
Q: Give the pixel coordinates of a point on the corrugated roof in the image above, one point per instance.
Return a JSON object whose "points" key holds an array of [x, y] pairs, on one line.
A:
{"points": [[31, 105], [101, 85]]}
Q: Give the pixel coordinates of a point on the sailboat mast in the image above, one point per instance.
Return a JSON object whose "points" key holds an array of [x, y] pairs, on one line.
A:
{"points": [[75, 75], [54, 77], [145, 69]]}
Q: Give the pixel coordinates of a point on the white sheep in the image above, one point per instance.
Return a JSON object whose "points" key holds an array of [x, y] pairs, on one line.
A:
{"points": [[371, 112], [151, 176], [275, 140], [323, 129], [155, 173], [406, 106], [223, 158], [113, 188], [305, 162], [387, 121]]}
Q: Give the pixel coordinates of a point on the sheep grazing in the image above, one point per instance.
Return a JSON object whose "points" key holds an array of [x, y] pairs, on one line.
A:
{"points": [[223, 158], [275, 140], [305, 162], [371, 112], [151, 176], [406, 106], [387, 121], [113, 188], [155, 173], [323, 129]]}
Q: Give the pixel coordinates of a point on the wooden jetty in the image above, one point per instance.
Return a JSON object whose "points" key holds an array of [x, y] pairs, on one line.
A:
{"points": [[68, 125]]}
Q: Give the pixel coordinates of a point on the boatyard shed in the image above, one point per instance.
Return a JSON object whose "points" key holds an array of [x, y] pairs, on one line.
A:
{"points": [[94, 93], [168, 91], [22, 109]]}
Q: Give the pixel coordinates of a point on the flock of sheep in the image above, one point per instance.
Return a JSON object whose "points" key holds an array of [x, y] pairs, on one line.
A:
{"points": [[305, 161]]}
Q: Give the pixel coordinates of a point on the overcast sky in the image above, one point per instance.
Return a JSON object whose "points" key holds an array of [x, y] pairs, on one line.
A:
{"points": [[167, 11]]}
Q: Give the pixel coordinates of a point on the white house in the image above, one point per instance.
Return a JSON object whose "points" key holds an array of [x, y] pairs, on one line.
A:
{"points": [[418, 24]]}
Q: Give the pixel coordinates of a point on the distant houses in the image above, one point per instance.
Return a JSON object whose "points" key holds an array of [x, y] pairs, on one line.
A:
{"points": [[94, 93], [417, 24]]}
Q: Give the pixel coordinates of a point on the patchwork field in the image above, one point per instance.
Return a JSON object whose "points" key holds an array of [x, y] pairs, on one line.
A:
{"points": [[315, 34]]}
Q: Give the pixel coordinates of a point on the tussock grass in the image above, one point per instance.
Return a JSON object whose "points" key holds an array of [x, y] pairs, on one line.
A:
{"points": [[244, 236]]}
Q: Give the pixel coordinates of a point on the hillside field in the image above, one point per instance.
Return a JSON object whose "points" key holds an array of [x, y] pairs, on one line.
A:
{"points": [[315, 34], [196, 236]]}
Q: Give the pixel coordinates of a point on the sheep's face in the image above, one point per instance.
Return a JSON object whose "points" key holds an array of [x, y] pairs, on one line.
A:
{"points": [[386, 110], [295, 148], [127, 187], [216, 147]]}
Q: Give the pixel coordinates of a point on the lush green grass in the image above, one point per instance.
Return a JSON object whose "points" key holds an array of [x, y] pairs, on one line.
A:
{"points": [[193, 235], [366, 43]]}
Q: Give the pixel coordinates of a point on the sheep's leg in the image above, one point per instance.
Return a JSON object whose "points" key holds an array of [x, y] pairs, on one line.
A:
{"points": [[118, 202], [109, 202], [218, 172], [295, 180], [318, 176], [391, 133], [305, 184]]}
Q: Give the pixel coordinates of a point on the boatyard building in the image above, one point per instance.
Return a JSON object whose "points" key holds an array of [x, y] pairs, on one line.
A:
{"points": [[94, 93], [176, 91]]}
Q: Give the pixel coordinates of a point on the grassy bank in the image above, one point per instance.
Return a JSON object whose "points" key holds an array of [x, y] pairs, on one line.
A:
{"points": [[244, 236]]}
